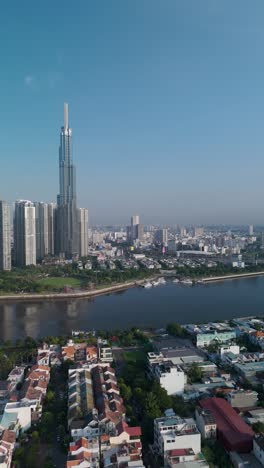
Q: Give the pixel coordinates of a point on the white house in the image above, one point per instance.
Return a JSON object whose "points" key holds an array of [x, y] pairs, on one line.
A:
{"points": [[173, 432], [170, 376]]}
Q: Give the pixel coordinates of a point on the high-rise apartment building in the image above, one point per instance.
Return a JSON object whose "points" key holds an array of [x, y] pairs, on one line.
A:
{"points": [[24, 233], [42, 230], [5, 240], [251, 230], [134, 220], [83, 231], [51, 228], [161, 236], [136, 230], [67, 225]]}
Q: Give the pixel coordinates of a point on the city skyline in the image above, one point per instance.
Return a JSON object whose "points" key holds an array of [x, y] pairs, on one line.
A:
{"points": [[169, 120]]}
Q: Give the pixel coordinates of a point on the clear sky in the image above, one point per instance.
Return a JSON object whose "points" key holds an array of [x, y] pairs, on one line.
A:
{"points": [[166, 103]]}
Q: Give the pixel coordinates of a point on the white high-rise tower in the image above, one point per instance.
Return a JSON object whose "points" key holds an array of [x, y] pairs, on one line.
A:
{"points": [[5, 240], [24, 233]]}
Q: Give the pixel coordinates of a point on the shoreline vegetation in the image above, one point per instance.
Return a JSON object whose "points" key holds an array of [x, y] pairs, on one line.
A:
{"points": [[104, 290]]}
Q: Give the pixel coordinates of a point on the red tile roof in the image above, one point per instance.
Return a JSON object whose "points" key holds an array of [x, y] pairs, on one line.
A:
{"points": [[232, 430]]}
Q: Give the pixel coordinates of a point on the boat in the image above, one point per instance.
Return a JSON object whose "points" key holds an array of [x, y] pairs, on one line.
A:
{"points": [[147, 285], [155, 283], [187, 282], [162, 280]]}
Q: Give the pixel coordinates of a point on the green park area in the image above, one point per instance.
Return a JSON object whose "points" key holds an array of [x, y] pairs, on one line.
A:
{"points": [[57, 283]]}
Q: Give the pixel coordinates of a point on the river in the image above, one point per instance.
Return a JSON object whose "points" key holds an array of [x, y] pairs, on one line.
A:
{"points": [[153, 307]]}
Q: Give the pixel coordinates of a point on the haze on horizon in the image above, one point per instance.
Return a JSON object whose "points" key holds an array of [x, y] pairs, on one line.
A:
{"points": [[166, 104]]}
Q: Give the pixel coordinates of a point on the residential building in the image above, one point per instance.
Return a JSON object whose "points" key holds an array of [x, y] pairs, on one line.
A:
{"points": [[42, 230], [83, 231], [105, 353], [51, 228], [242, 398], [206, 423], [24, 233], [250, 230], [6, 452], [161, 236], [66, 213], [80, 397], [232, 431], [258, 447], [170, 376], [205, 339], [235, 349], [5, 239], [173, 433], [18, 415], [84, 454]]}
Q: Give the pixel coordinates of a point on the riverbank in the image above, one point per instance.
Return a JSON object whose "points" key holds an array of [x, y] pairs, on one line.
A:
{"points": [[231, 277], [75, 294]]}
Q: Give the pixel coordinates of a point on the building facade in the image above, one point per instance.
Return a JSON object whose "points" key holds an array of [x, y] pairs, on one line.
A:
{"points": [[5, 239], [42, 230], [83, 231], [174, 433], [51, 228], [24, 233]]}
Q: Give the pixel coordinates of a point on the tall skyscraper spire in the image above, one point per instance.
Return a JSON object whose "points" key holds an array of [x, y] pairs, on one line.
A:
{"points": [[66, 119], [67, 225]]}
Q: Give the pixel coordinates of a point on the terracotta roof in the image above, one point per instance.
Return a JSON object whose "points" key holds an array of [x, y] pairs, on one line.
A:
{"points": [[9, 436]]}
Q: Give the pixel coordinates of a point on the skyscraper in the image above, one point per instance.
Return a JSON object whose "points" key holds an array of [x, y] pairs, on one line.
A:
{"points": [[5, 241], [24, 233], [83, 231], [51, 228], [250, 230], [67, 226], [42, 230]]}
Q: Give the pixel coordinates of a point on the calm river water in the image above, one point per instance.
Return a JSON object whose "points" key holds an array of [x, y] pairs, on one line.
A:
{"points": [[153, 307]]}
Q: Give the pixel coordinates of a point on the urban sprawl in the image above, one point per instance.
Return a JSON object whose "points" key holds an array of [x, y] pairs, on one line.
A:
{"points": [[185, 396]]}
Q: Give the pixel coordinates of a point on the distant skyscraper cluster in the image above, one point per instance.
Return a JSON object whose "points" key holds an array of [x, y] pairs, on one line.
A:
{"points": [[47, 229]]}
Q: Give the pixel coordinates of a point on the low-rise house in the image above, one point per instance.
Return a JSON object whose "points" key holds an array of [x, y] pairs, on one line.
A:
{"points": [[206, 423], [84, 454], [105, 353], [235, 349], [5, 388], [80, 397], [173, 433], [123, 455], [6, 452], [229, 358], [242, 398], [258, 447], [126, 434], [18, 416], [16, 375]]}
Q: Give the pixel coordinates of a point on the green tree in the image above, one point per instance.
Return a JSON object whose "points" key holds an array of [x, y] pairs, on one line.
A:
{"points": [[175, 329], [194, 373], [258, 427]]}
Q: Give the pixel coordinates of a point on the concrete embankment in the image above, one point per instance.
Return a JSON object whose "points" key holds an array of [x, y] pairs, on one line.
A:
{"points": [[74, 294], [231, 277]]}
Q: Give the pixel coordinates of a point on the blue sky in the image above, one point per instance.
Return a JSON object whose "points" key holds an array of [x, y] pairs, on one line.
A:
{"points": [[166, 102]]}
